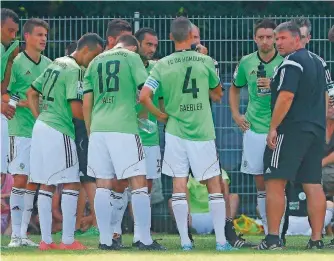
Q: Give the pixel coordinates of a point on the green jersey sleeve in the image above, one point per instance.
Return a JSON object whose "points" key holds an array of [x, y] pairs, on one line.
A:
{"points": [[213, 77], [87, 83], [239, 76], [12, 80], [37, 84], [138, 70], [74, 89]]}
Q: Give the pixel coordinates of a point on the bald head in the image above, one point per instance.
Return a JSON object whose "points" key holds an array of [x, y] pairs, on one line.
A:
{"points": [[196, 34], [181, 29]]}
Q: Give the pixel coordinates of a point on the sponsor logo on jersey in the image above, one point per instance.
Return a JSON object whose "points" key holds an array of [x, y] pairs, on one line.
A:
{"points": [[252, 72], [28, 73]]}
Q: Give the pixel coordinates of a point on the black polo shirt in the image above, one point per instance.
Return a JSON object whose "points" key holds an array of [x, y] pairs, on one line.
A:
{"points": [[303, 74]]}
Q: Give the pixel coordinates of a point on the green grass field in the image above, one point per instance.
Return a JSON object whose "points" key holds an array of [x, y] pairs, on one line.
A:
{"points": [[204, 250]]}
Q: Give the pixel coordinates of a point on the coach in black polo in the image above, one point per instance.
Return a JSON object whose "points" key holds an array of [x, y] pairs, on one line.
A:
{"points": [[297, 134]]}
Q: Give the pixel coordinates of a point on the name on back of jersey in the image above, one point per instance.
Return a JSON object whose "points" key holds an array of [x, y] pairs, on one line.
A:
{"points": [[186, 59], [191, 107]]}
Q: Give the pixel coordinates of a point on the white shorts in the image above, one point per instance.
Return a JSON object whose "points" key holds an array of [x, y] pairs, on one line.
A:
{"points": [[254, 145], [181, 154], [202, 222], [53, 157], [19, 155], [113, 154], [4, 144], [152, 161]]}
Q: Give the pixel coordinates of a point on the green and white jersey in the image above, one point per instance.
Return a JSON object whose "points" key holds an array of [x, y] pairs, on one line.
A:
{"points": [[24, 72], [114, 78], [151, 139], [60, 84], [185, 78], [258, 112], [5, 53]]}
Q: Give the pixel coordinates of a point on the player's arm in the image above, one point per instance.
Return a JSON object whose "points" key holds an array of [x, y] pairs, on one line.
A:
{"points": [[87, 109], [8, 71], [145, 98], [33, 101], [328, 159], [289, 77], [74, 92], [34, 93], [88, 97], [215, 87]]}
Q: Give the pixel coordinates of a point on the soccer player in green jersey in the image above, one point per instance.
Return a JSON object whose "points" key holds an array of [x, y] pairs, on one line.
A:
{"points": [[9, 28], [115, 150], [255, 123], [187, 80], [27, 66], [53, 152]]}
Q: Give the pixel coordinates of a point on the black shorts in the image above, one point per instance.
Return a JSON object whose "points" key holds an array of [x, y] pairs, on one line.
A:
{"points": [[81, 142], [297, 156]]}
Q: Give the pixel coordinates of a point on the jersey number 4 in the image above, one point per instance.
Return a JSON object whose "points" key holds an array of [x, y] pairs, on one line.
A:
{"points": [[51, 75], [194, 90], [111, 70]]}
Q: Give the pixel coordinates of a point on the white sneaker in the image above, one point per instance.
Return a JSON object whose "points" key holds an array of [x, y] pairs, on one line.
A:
{"points": [[15, 242], [27, 242]]}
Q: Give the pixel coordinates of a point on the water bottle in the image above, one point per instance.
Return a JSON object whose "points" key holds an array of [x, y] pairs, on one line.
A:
{"points": [[147, 125], [261, 73], [14, 100]]}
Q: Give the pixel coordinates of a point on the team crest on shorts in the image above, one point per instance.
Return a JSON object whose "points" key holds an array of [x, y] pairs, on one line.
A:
{"points": [[22, 165]]}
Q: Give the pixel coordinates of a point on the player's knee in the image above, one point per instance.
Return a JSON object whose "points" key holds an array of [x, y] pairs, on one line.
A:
{"points": [[180, 185], [20, 181], [214, 185], [50, 188], [259, 183], [138, 182], [72, 186], [104, 183], [32, 186]]}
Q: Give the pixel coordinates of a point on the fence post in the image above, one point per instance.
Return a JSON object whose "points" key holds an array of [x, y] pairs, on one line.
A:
{"points": [[136, 21]]}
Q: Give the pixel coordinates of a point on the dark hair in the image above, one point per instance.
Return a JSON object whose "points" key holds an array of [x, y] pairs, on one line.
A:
{"points": [[7, 13], [157, 56], [116, 26], [91, 40], [71, 48], [180, 28], [264, 23], [128, 40], [29, 26], [290, 27], [303, 21], [140, 34]]}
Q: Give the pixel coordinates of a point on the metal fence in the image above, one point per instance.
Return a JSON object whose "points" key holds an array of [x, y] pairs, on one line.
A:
{"points": [[227, 39]]}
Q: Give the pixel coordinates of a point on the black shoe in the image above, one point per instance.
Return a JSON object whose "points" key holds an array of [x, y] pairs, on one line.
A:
{"points": [[136, 244], [155, 246], [270, 243], [110, 248], [331, 244], [117, 240], [241, 243], [318, 244]]}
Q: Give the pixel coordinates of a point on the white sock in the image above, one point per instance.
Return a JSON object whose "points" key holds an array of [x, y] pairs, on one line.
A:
{"points": [[103, 212], [27, 211], [16, 202], [119, 202], [142, 214], [136, 236], [180, 210], [218, 214], [44, 204], [69, 201], [261, 202], [328, 216]]}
